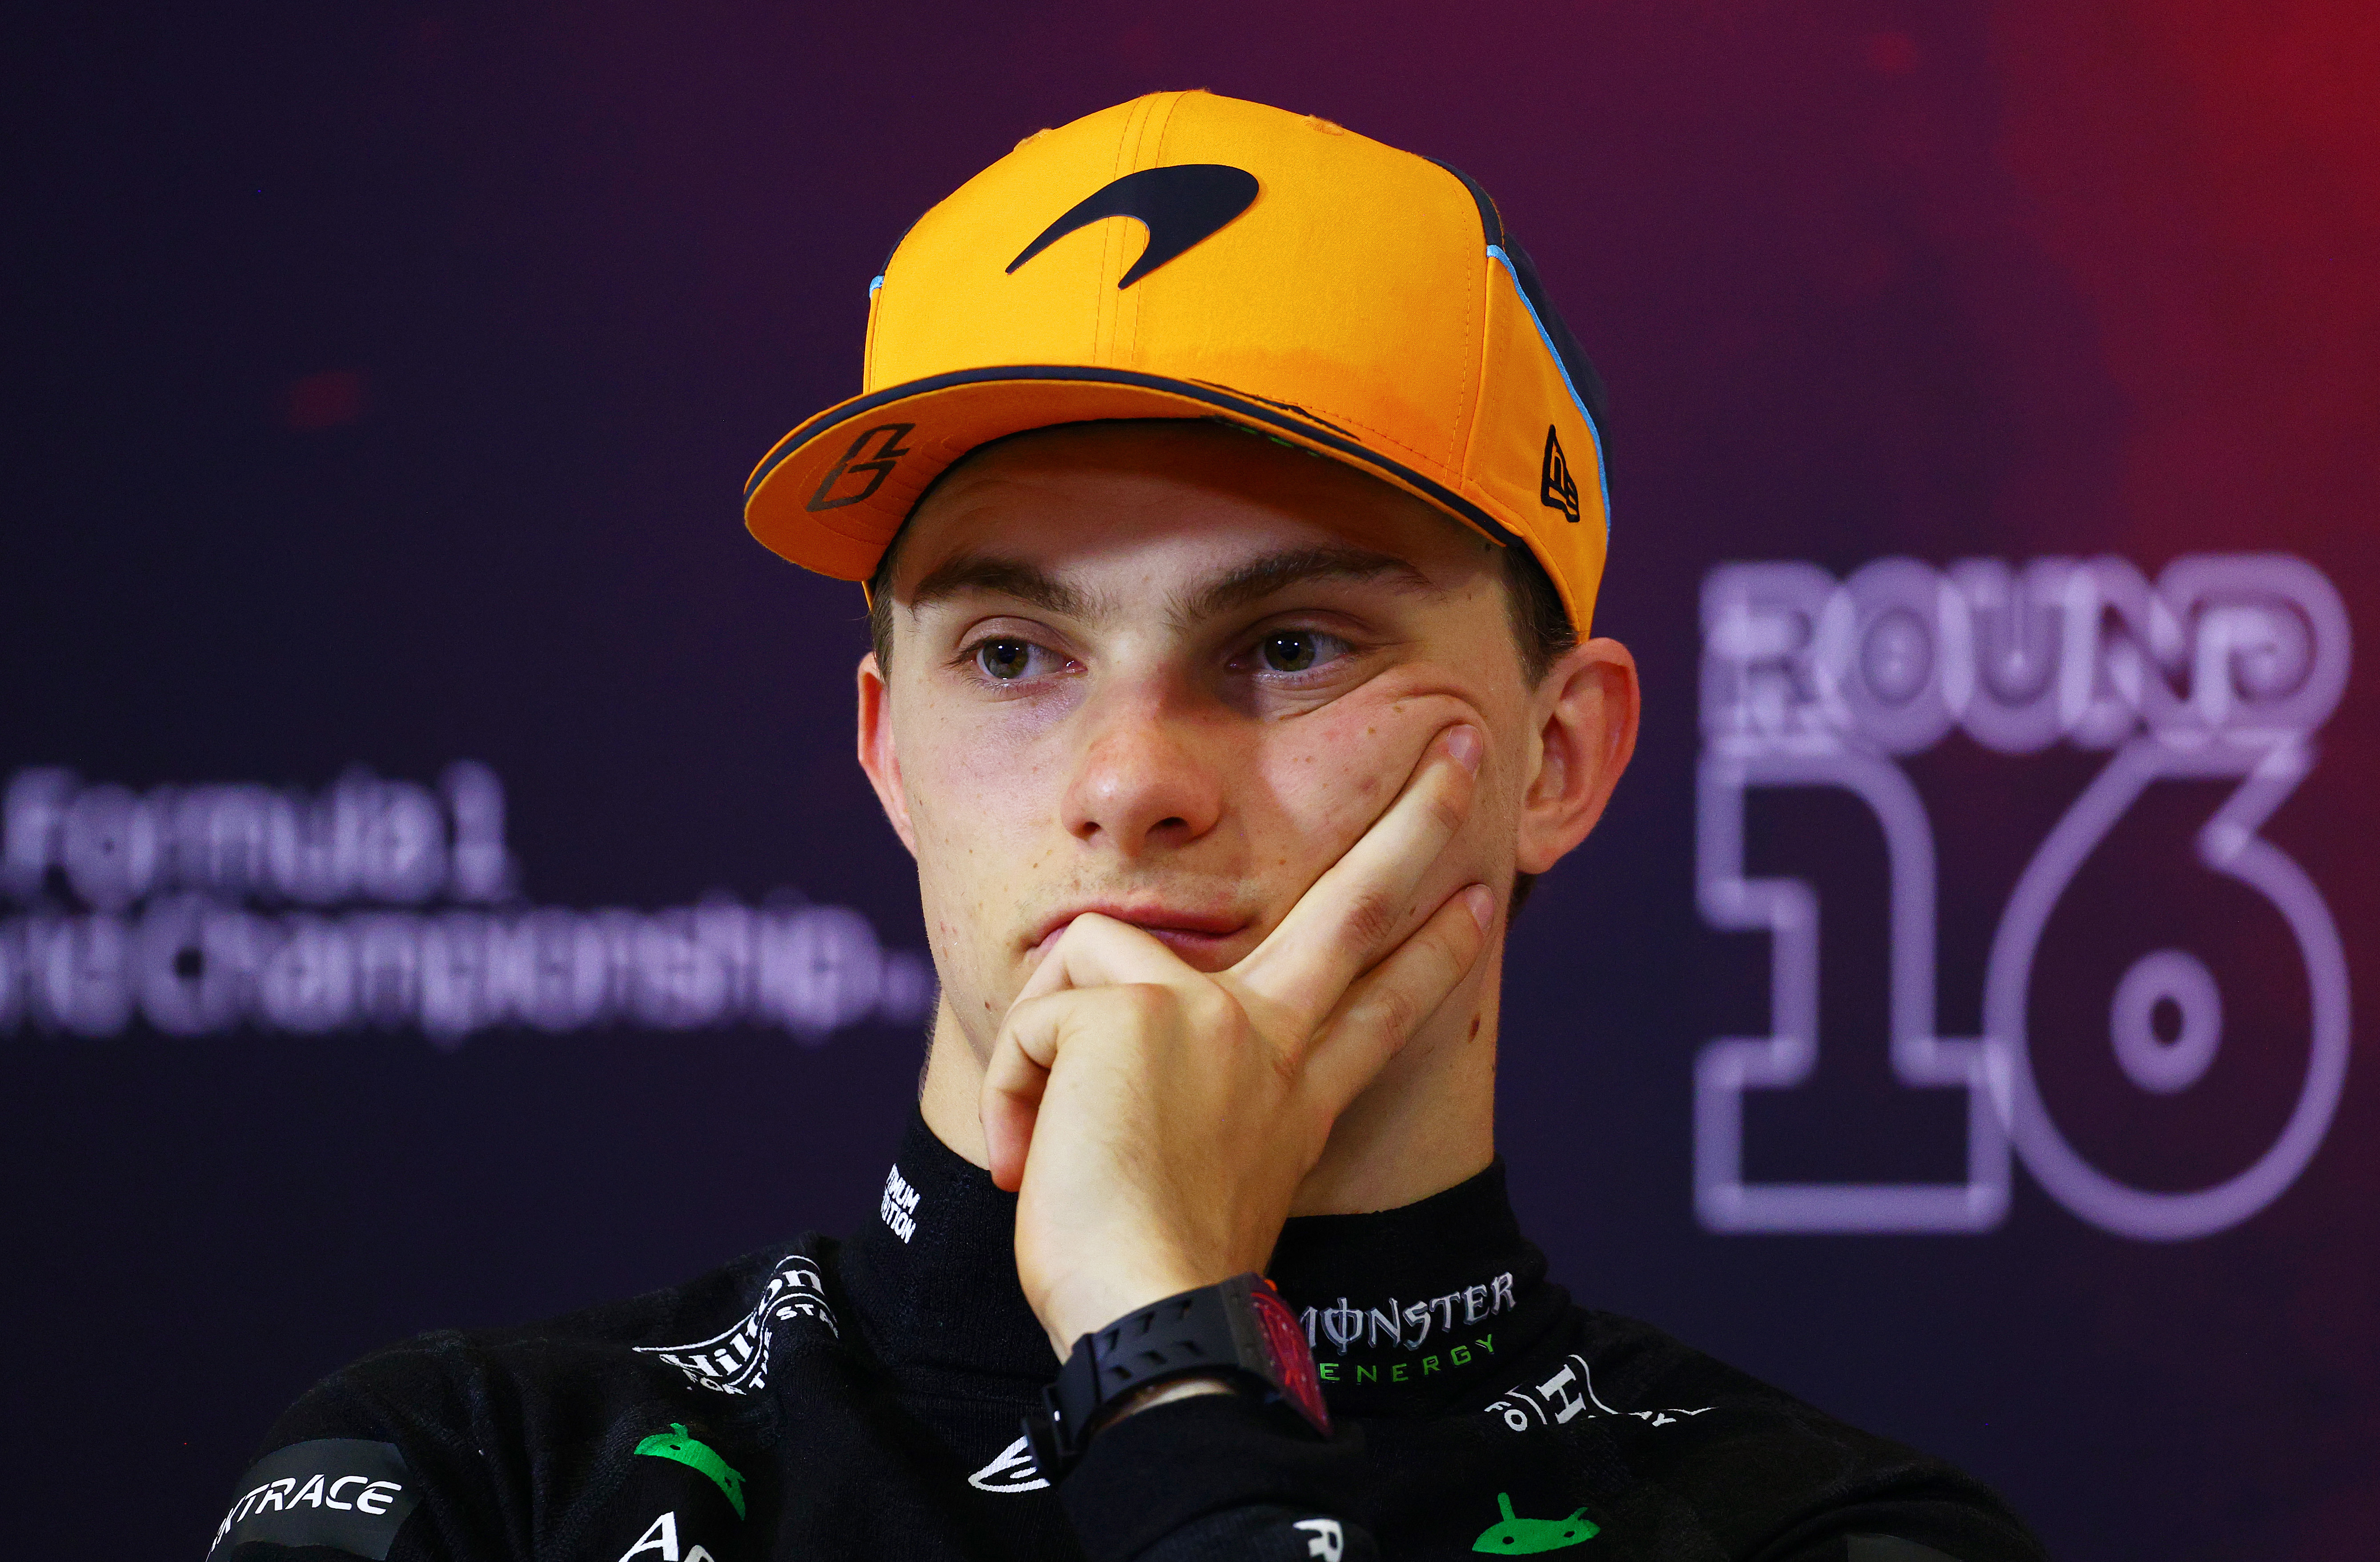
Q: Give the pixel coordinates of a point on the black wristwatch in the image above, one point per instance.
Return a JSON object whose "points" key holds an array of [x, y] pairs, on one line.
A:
{"points": [[1240, 1329]]}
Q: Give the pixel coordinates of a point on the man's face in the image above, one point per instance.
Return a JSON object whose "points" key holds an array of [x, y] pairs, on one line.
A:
{"points": [[1170, 672]]}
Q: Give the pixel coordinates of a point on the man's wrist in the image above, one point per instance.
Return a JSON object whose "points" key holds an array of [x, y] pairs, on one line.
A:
{"points": [[1089, 1304], [1214, 1337], [1158, 1394]]}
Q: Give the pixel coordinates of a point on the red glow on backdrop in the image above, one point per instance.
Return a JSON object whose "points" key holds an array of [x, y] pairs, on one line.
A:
{"points": [[329, 400], [1891, 54], [2209, 174]]}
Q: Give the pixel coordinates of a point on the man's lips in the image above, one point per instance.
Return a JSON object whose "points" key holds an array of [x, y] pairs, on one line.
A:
{"points": [[1187, 934]]}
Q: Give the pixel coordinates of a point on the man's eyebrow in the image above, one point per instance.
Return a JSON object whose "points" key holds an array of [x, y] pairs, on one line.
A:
{"points": [[1006, 577], [1244, 584], [1258, 578]]}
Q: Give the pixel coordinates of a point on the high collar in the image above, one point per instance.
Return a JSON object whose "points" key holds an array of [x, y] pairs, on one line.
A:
{"points": [[1406, 1308]]}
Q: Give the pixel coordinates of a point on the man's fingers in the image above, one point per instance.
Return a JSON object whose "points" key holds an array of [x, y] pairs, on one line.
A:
{"points": [[1355, 911], [1014, 1079], [1101, 972], [1033, 1035], [1017, 1074], [1389, 1003], [1100, 951]]}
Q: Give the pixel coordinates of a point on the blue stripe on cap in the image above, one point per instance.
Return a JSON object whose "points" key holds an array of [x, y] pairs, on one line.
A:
{"points": [[1496, 252]]}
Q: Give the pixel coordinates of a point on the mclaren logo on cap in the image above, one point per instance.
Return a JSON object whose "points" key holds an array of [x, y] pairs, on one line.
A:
{"points": [[1556, 489], [1181, 207]]}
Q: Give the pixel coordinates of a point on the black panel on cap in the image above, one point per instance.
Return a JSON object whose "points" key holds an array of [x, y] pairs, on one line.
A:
{"points": [[1573, 356]]}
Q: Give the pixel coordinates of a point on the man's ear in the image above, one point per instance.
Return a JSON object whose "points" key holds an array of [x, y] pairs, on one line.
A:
{"points": [[1586, 710], [877, 756]]}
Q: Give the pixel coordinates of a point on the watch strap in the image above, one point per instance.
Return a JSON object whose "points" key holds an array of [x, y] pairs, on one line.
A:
{"points": [[1240, 1330]]}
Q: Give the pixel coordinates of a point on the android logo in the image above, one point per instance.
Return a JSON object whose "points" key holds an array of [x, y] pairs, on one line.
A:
{"points": [[696, 1454], [1515, 1536]]}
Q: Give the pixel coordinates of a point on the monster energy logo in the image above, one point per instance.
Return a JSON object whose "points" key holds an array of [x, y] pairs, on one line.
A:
{"points": [[1409, 1324]]}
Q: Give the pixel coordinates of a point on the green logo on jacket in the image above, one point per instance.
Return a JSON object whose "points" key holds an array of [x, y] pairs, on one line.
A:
{"points": [[1515, 1536], [696, 1454]]}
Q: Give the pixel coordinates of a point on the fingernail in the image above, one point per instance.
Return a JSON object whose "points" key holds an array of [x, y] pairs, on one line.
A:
{"points": [[1464, 744], [1482, 904]]}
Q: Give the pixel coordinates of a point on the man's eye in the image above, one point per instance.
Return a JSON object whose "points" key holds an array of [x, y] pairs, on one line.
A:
{"points": [[1005, 659], [1297, 650]]}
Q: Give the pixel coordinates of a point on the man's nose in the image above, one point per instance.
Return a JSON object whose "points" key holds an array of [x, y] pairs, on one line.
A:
{"points": [[1144, 776]]}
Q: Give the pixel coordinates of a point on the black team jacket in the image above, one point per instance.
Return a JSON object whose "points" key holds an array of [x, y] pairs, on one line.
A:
{"points": [[861, 1399]]}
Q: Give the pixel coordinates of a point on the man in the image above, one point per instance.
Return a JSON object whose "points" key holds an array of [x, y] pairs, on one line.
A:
{"points": [[1231, 504]]}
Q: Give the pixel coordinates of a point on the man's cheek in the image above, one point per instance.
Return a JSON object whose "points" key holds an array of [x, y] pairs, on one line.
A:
{"points": [[983, 824], [956, 894], [1334, 772]]}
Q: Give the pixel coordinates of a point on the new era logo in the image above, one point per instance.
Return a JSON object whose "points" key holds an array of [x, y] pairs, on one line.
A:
{"points": [[1555, 489]]}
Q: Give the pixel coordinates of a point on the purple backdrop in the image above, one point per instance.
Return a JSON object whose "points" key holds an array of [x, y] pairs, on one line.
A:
{"points": [[438, 891]]}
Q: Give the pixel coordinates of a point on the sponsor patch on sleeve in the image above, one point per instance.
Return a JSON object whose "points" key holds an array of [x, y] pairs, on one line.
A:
{"points": [[346, 1493]]}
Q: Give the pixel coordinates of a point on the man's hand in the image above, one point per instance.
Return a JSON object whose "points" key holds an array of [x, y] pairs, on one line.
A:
{"points": [[1157, 1120]]}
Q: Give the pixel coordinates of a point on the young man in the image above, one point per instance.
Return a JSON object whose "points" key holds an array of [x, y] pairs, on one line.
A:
{"points": [[1230, 501]]}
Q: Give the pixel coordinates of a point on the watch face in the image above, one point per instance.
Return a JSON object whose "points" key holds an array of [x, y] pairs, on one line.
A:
{"points": [[1292, 1360]]}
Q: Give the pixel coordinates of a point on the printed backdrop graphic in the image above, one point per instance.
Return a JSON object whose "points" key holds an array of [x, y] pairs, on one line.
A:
{"points": [[436, 890]]}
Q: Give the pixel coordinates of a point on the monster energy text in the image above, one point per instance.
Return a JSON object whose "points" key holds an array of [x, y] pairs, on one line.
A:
{"points": [[1410, 1325]]}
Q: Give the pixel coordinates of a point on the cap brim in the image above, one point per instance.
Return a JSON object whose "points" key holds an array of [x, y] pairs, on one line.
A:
{"points": [[831, 494]]}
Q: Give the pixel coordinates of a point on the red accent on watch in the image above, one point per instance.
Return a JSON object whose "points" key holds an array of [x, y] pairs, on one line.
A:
{"points": [[1293, 1359], [1240, 1330]]}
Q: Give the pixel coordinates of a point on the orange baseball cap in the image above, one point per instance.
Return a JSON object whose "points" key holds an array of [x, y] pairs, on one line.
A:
{"points": [[1186, 255]]}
